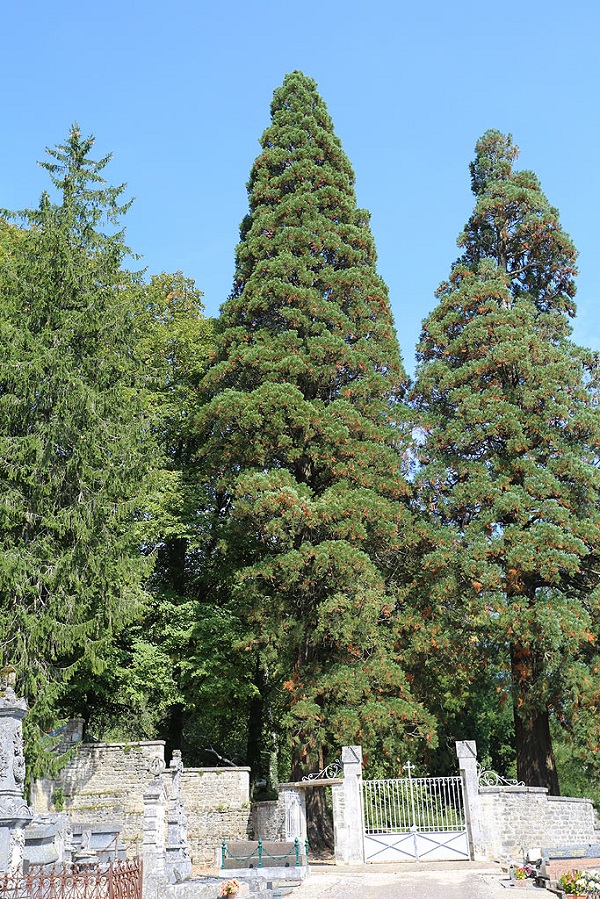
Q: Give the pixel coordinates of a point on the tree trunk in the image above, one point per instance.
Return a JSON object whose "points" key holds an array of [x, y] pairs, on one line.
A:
{"points": [[174, 731], [171, 559], [319, 823], [535, 758], [254, 747], [261, 749]]}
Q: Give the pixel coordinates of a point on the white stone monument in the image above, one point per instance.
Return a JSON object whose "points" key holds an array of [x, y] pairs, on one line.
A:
{"points": [[178, 865], [14, 812]]}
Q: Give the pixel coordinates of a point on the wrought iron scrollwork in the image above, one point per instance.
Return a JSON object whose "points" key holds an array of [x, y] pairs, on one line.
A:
{"points": [[492, 779], [336, 769]]}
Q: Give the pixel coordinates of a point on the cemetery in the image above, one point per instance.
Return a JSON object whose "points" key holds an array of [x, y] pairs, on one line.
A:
{"points": [[128, 822], [259, 540]]}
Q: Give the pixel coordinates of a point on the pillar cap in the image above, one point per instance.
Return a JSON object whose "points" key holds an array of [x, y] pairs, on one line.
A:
{"points": [[352, 754], [466, 749]]}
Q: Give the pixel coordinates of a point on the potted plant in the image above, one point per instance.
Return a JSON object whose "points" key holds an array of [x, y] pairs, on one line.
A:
{"points": [[521, 873], [229, 888], [580, 883], [518, 876]]}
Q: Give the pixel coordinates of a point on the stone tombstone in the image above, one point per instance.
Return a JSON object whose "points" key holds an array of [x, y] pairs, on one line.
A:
{"points": [[154, 842], [178, 865], [14, 812]]}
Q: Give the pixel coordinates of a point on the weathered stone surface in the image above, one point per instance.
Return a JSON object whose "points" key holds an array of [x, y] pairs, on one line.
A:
{"points": [[270, 874], [178, 865], [268, 819], [347, 809], [217, 807], [105, 783], [48, 841], [466, 751], [516, 818], [207, 888], [14, 812], [285, 818]]}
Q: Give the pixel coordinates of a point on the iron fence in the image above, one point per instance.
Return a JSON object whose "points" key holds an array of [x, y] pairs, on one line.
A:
{"points": [[115, 880], [425, 804]]}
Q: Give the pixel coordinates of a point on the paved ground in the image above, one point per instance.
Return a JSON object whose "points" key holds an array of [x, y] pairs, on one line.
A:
{"points": [[441, 880]]}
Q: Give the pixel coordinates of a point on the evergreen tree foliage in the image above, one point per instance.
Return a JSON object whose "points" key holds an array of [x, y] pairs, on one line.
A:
{"points": [[74, 441], [303, 437], [178, 345], [509, 458], [165, 669]]}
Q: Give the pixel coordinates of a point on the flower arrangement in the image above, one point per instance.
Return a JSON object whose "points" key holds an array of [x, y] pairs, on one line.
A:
{"points": [[523, 871], [229, 888], [580, 883]]}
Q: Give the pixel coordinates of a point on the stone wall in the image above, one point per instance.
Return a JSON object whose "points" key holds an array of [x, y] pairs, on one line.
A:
{"points": [[268, 820], [514, 819], [217, 807], [105, 783]]}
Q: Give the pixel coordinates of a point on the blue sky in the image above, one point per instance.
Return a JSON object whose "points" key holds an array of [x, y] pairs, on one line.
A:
{"points": [[180, 94]]}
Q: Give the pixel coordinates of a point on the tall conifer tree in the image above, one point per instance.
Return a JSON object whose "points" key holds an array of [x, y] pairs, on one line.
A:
{"points": [[509, 465], [303, 440], [73, 435]]}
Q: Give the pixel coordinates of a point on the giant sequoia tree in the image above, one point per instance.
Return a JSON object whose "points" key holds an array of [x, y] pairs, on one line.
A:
{"points": [[303, 439], [73, 435], [510, 457]]}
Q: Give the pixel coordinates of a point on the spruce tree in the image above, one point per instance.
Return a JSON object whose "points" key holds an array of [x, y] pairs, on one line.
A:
{"points": [[509, 460], [74, 446], [303, 439], [144, 688]]}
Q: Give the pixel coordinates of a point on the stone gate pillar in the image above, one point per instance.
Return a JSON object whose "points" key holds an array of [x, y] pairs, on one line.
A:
{"points": [[14, 812], [347, 810], [466, 750]]}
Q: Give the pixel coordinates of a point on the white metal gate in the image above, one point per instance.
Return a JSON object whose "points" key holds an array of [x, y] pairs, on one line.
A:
{"points": [[414, 818]]}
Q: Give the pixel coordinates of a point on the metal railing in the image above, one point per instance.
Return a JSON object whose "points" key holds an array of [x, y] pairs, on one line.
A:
{"points": [[424, 804], [115, 880], [260, 854]]}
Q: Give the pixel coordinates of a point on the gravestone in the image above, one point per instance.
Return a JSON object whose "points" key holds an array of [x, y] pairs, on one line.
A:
{"points": [[14, 812], [178, 865], [48, 841]]}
